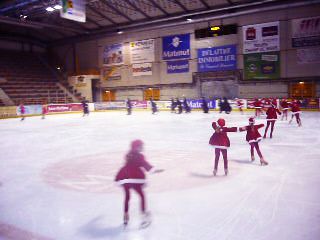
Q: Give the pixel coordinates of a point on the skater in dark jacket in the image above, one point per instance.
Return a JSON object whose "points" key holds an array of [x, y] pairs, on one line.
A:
{"points": [[220, 141], [253, 137], [225, 106], [179, 104], [129, 106], [186, 105], [204, 105], [85, 107], [173, 106], [132, 177], [153, 106]]}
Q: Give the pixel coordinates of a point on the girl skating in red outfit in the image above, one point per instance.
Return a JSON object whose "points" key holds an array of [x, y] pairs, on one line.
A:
{"points": [[253, 137], [220, 141], [131, 176], [271, 119]]}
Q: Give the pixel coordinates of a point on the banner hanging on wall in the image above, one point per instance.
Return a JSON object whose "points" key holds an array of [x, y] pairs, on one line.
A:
{"points": [[180, 66], [111, 73], [309, 55], [113, 55], [142, 51], [263, 37], [142, 69], [176, 47], [306, 32], [262, 65], [221, 58], [73, 10]]}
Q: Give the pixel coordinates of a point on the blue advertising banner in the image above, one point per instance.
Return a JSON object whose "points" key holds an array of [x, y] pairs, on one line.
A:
{"points": [[180, 66], [176, 47], [198, 103], [221, 58]]}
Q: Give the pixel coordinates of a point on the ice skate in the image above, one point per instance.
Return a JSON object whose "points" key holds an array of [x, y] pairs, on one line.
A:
{"points": [[252, 158], [263, 162], [226, 171], [214, 172], [125, 219], [146, 220]]}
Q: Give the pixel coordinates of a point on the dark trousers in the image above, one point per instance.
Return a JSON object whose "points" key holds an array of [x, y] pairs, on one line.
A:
{"points": [[139, 190], [255, 145], [217, 156]]}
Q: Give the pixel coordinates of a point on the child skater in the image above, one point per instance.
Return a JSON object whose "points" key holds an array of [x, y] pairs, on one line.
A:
{"points": [[131, 176], [22, 110], [253, 138], [284, 107], [220, 141], [295, 109], [271, 119], [239, 105], [154, 107], [257, 104], [129, 106]]}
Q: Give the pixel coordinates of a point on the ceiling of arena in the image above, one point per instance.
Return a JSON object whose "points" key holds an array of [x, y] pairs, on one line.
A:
{"points": [[29, 19]]}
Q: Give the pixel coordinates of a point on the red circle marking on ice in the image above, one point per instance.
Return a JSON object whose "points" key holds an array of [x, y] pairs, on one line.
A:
{"points": [[96, 173]]}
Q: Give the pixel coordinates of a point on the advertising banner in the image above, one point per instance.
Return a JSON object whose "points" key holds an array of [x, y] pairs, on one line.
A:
{"points": [[139, 104], [68, 107], [109, 105], [180, 66], [197, 103], [263, 37], [309, 55], [217, 59], [113, 55], [111, 73], [306, 32], [142, 69], [31, 109], [142, 51], [73, 10], [262, 65], [176, 47]]}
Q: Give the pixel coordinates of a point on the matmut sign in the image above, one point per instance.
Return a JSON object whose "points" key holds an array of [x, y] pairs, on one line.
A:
{"points": [[176, 47]]}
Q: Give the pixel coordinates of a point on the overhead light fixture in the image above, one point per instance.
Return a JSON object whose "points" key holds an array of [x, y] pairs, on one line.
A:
{"points": [[57, 7], [189, 19], [119, 31], [215, 28], [58, 68], [301, 82], [50, 9]]}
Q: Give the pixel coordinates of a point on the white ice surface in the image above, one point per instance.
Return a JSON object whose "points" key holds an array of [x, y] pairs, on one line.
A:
{"points": [[57, 175]]}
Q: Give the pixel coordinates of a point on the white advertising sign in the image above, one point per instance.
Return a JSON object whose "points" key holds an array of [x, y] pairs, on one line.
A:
{"points": [[306, 32], [142, 69], [73, 10], [142, 51], [263, 37]]}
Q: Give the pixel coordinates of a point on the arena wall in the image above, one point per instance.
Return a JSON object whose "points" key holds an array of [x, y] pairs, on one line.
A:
{"points": [[89, 55]]}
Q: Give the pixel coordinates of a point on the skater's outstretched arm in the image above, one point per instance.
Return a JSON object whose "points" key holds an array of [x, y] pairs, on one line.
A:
{"points": [[230, 129]]}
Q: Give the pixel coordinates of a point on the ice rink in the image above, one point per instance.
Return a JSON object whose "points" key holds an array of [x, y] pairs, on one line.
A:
{"points": [[57, 174]]}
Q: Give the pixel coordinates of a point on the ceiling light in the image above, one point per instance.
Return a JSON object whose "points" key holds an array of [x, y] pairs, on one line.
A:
{"points": [[50, 9], [189, 19], [57, 7], [119, 32]]}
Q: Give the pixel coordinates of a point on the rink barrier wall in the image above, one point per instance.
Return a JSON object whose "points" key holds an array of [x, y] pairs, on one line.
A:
{"points": [[308, 104]]}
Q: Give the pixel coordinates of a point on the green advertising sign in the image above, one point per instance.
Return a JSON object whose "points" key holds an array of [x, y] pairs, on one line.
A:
{"points": [[262, 66]]}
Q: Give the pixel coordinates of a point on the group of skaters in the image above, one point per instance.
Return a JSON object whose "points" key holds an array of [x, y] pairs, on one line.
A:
{"points": [[132, 177], [268, 106]]}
